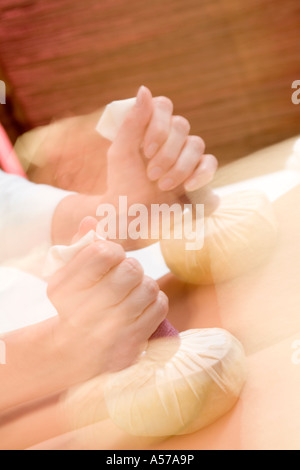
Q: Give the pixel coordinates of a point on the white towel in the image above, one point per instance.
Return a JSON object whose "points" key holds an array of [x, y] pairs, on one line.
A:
{"points": [[113, 118], [58, 256]]}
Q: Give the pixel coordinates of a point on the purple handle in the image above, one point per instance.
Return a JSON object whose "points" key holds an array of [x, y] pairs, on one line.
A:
{"points": [[164, 330]]}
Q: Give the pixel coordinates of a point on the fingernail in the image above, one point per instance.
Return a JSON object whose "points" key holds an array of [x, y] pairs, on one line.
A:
{"points": [[155, 173], [151, 150], [166, 184], [140, 96]]}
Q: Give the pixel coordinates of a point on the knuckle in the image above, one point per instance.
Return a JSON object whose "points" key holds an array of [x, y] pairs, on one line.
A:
{"points": [[198, 143], [150, 286], [167, 159], [181, 123], [102, 251], [179, 175], [160, 131], [210, 165], [132, 268], [164, 102], [214, 162], [181, 170], [118, 252], [163, 304]]}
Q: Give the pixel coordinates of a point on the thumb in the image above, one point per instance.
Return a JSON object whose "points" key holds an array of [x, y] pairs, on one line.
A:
{"points": [[132, 131], [87, 224]]}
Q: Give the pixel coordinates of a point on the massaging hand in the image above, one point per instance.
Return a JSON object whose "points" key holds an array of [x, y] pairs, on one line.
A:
{"points": [[71, 155], [154, 154], [107, 308], [177, 163]]}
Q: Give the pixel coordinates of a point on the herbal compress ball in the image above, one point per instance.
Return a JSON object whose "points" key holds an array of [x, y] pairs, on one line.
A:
{"points": [[238, 236], [178, 386]]}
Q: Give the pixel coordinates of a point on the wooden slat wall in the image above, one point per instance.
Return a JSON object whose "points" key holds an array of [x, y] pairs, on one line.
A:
{"points": [[228, 65]]}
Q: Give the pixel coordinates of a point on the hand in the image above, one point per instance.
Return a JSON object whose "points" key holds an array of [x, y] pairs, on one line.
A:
{"points": [[107, 308], [149, 130], [154, 159], [68, 154], [71, 155]]}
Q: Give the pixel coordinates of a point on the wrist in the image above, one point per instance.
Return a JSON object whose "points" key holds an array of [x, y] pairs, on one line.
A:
{"points": [[74, 208], [78, 356], [33, 370]]}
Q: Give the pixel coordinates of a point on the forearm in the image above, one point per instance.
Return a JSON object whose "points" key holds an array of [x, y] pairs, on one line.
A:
{"points": [[35, 366]]}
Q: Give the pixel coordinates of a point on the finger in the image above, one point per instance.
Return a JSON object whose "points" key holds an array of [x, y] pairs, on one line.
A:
{"points": [[169, 152], [118, 283], [132, 131], [140, 298], [159, 127], [203, 174], [87, 224], [148, 322], [185, 165], [87, 268], [139, 332]]}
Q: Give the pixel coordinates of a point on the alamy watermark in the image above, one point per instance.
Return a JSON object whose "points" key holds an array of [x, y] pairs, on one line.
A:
{"points": [[296, 94], [158, 221], [2, 353], [2, 92]]}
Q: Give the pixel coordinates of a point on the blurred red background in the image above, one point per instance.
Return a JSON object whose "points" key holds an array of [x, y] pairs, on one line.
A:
{"points": [[228, 65]]}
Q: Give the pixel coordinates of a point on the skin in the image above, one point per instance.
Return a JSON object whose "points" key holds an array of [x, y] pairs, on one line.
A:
{"points": [[130, 163], [111, 325], [261, 308]]}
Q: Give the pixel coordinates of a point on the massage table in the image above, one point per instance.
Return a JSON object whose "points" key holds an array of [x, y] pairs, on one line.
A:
{"points": [[261, 308]]}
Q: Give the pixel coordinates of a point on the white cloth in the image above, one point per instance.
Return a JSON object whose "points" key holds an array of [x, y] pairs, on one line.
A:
{"points": [[26, 212], [60, 255], [23, 300], [150, 257], [113, 117]]}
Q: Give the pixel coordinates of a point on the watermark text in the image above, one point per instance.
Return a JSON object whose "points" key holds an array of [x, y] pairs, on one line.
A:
{"points": [[158, 221]]}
